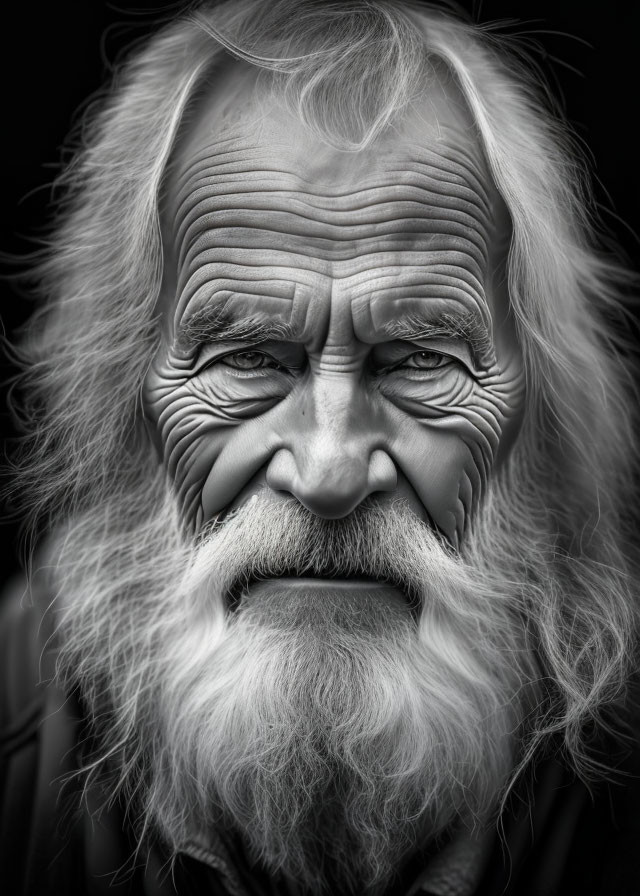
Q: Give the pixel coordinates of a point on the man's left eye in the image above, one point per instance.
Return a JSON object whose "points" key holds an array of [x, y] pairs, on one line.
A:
{"points": [[249, 361], [424, 360]]}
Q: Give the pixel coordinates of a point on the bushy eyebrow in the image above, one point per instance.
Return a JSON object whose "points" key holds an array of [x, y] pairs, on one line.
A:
{"points": [[467, 327], [211, 324]]}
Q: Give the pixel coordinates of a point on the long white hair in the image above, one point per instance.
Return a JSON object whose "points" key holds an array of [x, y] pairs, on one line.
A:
{"points": [[348, 69]]}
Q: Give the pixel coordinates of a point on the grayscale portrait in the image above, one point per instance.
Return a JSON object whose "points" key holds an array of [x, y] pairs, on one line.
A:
{"points": [[327, 465]]}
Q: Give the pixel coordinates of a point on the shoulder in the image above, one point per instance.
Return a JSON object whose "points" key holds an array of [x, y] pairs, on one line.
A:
{"points": [[560, 834], [27, 660], [38, 735]]}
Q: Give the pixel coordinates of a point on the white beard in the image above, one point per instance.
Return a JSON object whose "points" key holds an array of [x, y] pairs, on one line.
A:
{"points": [[335, 733]]}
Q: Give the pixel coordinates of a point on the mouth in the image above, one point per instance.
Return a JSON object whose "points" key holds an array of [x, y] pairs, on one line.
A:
{"points": [[308, 582]]}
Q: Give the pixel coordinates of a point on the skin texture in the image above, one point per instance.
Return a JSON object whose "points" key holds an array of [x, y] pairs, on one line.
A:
{"points": [[335, 324]]}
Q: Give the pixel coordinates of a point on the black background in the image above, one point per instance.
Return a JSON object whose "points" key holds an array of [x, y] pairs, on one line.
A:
{"points": [[56, 54]]}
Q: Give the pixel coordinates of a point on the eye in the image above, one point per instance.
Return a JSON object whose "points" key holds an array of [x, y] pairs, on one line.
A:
{"points": [[249, 361], [424, 360]]}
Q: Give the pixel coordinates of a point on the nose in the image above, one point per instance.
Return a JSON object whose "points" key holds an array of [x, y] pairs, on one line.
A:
{"points": [[332, 460]]}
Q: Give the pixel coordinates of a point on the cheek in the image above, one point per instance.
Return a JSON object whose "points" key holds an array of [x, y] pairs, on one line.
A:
{"points": [[450, 433], [197, 417]]}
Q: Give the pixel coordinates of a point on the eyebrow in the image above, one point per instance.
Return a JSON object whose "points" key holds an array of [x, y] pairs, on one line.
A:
{"points": [[212, 324], [466, 326], [216, 324]]}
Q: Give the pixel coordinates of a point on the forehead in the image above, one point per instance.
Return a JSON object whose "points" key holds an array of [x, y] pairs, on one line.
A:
{"points": [[252, 190], [239, 111]]}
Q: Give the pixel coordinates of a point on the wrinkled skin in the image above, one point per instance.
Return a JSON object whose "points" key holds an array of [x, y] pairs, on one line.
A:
{"points": [[335, 324]]}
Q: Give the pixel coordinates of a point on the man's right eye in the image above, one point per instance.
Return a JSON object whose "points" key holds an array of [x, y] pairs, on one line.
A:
{"points": [[243, 361]]}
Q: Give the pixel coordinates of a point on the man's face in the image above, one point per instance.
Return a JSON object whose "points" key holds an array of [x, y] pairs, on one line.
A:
{"points": [[335, 323]]}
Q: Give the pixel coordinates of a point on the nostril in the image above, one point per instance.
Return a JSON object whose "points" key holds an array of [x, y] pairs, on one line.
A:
{"points": [[282, 472], [382, 475]]}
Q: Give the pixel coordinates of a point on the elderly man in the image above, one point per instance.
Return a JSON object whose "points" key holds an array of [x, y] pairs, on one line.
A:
{"points": [[326, 412]]}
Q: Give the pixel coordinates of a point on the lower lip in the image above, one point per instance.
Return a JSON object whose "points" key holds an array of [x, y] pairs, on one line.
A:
{"points": [[311, 585]]}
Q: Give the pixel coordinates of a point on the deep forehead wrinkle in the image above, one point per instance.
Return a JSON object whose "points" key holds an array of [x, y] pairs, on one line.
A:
{"points": [[409, 195], [294, 241], [360, 210], [216, 280], [414, 198], [221, 167]]}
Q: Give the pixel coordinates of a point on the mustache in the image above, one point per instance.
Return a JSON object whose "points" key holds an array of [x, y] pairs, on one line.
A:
{"points": [[274, 538]]}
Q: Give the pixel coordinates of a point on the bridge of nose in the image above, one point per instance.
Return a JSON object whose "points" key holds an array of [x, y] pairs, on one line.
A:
{"points": [[333, 452]]}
